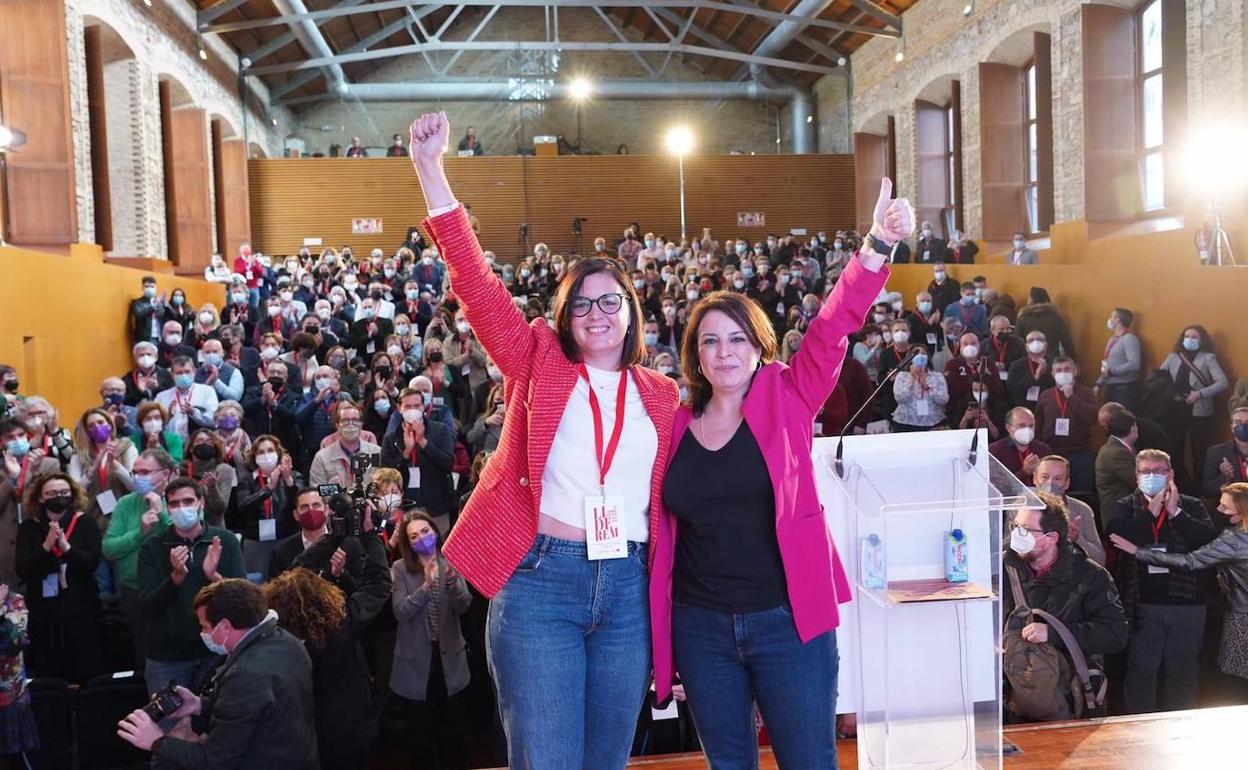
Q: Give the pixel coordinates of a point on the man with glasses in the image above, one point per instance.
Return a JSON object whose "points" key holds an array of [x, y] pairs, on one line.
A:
{"points": [[134, 518], [423, 453], [332, 464]]}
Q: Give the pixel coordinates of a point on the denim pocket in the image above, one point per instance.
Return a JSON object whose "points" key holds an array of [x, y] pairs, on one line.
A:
{"points": [[531, 561]]}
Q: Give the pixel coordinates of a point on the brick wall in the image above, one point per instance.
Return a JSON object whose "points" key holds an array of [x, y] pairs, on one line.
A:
{"points": [[939, 42]]}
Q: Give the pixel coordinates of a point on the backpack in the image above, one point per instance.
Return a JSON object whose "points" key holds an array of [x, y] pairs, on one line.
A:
{"points": [[1045, 685], [1158, 396]]}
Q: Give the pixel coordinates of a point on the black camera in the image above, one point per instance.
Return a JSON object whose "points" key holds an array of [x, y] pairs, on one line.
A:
{"points": [[349, 507], [163, 703]]}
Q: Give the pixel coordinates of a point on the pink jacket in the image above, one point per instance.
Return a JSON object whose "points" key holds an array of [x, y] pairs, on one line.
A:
{"points": [[780, 410]]}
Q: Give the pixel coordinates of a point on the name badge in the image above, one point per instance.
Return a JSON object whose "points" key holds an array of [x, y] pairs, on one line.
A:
{"points": [[371, 347], [438, 401], [413, 478], [268, 530], [467, 368], [921, 408], [107, 502], [931, 338], [1155, 569], [604, 532], [779, 308], [1033, 393], [51, 585], [1061, 426], [1004, 375]]}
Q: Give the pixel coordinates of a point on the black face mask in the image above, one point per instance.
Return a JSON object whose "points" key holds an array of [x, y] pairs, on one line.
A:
{"points": [[11, 386], [1003, 336], [375, 294], [277, 383], [59, 504], [435, 357], [205, 452], [384, 372]]}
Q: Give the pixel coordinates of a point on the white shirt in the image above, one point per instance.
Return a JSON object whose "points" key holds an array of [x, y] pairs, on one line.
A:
{"points": [[571, 473], [202, 407]]}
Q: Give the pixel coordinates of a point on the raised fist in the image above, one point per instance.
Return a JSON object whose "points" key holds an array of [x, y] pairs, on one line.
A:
{"points": [[430, 136]]}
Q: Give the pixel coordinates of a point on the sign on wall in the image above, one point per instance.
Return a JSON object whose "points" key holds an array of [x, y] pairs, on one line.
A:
{"points": [[365, 226], [751, 219]]}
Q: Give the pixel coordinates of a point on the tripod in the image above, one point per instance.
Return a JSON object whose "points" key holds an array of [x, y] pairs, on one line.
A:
{"points": [[1221, 242]]}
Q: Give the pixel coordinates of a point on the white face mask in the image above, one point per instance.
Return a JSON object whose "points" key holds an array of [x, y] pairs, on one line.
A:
{"points": [[1022, 542], [1023, 436], [970, 351], [392, 500], [412, 415], [1063, 378], [153, 426], [1036, 347], [206, 318], [146, 362], [266, 461], [902, 336], [462, 327]]}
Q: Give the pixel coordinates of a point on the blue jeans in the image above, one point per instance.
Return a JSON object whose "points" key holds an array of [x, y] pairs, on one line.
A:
{"points": [[730, 662], [568, 644], [191, 674]]}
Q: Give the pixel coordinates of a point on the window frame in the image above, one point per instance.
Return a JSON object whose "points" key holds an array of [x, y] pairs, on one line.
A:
{"points": [[1031, 120], [1142, 77]]}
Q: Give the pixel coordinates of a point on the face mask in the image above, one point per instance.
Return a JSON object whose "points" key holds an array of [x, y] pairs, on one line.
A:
{"points": [[435, 357], [206, 318], [888, 336], [671, 254], [920, 361], [149, 291], [1036, 347], [322, 313], [1240, 430], [968, 299], [212, 359], [652, 339], [426, 260], [782, 279], [114, 399], [425, 546], [18, 447], [349, 432], [1022, 542], [184, 518], [100, 432], [1152, 484], [274, 311], [153, 426], [322, 383], [269, 353], [978, 293], [59, 504], [287, 296], [970, 351], [691, 295], [897, 307], [183, 381], [266, 461], [462, 327], [239, 298], [350, 285], [173, 339], [738, 284], [392, 501], [1111, 325], [146, 361], [388, 272], [402, 330], [557, 267], [382, 407], [229, 423], [649, 243], [1023, 436], [878, 317], [312, 519], [1063, 378], [412, 415], [525, 272], [1018, 243], [925, 307], [926, 233], [838, 244], [213, 647], [901, 336], [1191, 344], [204, 452], [940, 275]]}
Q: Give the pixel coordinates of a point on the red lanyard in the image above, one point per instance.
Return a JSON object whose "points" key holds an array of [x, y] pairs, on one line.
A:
{"points": [[1161, 522], [21, 477], [68, 533], [1023, 454], [183, 405], [1109, 346], [1032, 367], [605, 459], [1061, 403], [102, 471], [1243, 467], [277, 326], [966, 320], [1001, 349], [268, 500]]}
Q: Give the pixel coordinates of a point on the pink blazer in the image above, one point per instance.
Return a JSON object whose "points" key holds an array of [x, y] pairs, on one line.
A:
{"points": [[780, 410]]}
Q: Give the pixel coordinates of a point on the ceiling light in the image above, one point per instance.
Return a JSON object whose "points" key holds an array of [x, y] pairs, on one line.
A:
{"points": [[580, 89], [810, 118], [900, 56], [679, 140], [203, 55], [969, 8], [245, 62], [841, 61]]}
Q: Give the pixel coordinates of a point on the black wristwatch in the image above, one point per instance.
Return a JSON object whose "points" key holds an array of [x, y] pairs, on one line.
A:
{"points": [[879, 246]]}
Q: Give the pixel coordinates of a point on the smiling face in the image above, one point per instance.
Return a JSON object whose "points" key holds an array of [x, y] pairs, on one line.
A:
{"points": [[599, 332], [727, 356]]}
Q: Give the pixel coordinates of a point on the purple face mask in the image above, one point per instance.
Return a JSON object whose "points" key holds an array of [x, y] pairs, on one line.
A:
{"points": [[100, 432], [228, 424], [425, 546]]}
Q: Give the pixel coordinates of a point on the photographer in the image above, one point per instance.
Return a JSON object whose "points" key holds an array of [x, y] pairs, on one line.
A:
{"points": [[423, 451], [258, 713], [330, 623], [343, 565]]}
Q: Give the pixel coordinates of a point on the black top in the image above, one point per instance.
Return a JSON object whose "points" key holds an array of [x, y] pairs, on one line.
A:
{"points": [[727, 555]]}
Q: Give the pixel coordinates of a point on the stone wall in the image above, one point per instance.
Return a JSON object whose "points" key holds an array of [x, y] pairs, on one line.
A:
{"points": [[940, 42]]}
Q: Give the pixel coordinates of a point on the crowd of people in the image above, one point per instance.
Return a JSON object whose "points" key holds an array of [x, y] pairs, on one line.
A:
{"points": [[317, 434]]}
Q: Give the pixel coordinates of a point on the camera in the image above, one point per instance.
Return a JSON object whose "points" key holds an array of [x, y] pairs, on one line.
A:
{"points": [[349, 507], [163, 703]]}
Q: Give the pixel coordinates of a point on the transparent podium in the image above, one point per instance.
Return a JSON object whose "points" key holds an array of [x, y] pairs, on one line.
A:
{"points": [[920, 661]]}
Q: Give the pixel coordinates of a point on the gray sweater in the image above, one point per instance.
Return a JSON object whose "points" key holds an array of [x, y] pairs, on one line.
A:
{"points": [[1124, 361]]}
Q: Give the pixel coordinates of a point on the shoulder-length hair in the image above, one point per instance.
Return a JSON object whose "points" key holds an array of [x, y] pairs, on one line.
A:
{"points": [[634, 351], [745, 313], [32, 502], [307, 605], [1206, 342], [403, 545]]}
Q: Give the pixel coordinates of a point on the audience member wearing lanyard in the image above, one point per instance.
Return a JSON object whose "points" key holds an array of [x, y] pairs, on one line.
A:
{"points": [[557, 532]]}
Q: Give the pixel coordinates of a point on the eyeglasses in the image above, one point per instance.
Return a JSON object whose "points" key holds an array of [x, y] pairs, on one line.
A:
{"points": [[350, 422], [607, 303]]}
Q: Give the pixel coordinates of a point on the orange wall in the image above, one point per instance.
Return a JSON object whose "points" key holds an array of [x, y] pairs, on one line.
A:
{"points": [[63, 320]]}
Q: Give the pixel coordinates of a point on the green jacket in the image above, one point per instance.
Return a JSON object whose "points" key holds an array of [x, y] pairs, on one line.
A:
{"points": [[172, 626], [125, 535]]}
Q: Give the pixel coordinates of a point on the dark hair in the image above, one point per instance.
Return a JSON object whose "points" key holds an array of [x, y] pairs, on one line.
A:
{"points": [[239, 601], [181, 361], [966, 286], [404, 546], [747, 314], [1038, 294], [307, 605], [1120, 423], [217, 443], [979, 279], [32, 505], [634, 351], [1054, 517], [303, 339], [307, 491], [11, 424], [251, 450], [1126, 316], [1206, 342], [148, 279], [182, 482]]}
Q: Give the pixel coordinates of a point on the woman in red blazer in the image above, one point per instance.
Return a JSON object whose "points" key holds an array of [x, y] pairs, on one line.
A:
{"points": [[560, 529], [746, 580]]}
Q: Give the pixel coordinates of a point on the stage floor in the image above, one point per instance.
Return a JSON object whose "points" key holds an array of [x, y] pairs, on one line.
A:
{"points": [[1201, 739]]}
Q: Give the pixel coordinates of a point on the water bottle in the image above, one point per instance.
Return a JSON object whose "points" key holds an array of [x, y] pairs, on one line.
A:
{"points": [[873, 562], [956, 570]]}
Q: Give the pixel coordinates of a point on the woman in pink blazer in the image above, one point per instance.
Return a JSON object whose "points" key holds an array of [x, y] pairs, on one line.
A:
{"points": [[746, 581], [586, 433]]}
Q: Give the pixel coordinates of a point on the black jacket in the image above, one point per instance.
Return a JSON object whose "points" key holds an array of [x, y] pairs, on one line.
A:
{"points": [[289, 553], [277, 419], [1211, 484], [436, 492], [929, 251], [1080, 593], [1184, 533], [248, 507], [136, 395], [141, 311], [81, 596], [259, 714]]}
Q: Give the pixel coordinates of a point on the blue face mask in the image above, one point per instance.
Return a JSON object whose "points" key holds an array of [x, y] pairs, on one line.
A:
{"points": [[1191, 344], [968, 300], [740, 248], [1152, 484], [215, 648], [144, 485], [18, 447], [184, 518], [382, 407], [212, 359], [652, 340], [920, 360], [183, 381]]}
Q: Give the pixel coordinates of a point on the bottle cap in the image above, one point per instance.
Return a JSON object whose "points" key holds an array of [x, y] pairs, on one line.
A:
{"points": [[957, 534]]}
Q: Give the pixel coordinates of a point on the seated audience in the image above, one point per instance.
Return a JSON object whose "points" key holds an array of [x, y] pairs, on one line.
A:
{"points": [[1019, 451]]}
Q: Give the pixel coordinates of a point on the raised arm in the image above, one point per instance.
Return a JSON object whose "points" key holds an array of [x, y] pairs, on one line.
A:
{"points": [[814, 370], [488, 305]]}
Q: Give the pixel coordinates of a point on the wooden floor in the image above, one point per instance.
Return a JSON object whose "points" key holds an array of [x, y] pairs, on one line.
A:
{"points": [[1202, 739]]}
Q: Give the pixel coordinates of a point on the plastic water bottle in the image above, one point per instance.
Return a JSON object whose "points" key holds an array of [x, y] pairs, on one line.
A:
{"points": [[956, 570], [873, 561]]}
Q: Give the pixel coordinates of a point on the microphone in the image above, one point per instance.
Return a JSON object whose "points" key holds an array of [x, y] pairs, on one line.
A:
{"points": [[840, 444], [981, 369]]}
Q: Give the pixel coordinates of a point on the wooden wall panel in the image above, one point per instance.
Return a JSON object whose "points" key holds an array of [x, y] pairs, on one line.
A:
{"points": [[1002, 150], [1043, 47], [93, 39], [870, 165], [932, 183], [188, 212], [959, 205], [318, 197], [234, 203], [1111, 174], [34, 97]]}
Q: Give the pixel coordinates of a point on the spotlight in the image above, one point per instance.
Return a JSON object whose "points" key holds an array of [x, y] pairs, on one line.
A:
{"points": [[841, 61], [11, 138], [810, 118], [679, 140], [969, 8], [900, 56], [245, 62], [274, 121], [1215, 158], [148, 3], [580, 89], [203, 55]]}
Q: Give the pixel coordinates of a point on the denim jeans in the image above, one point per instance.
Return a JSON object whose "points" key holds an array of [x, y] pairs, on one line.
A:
{"points": [[568, 643], [191, 674], [730, 662]]}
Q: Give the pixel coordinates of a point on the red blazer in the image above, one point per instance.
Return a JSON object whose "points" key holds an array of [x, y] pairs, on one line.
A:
{"points": [[499, 524]]}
